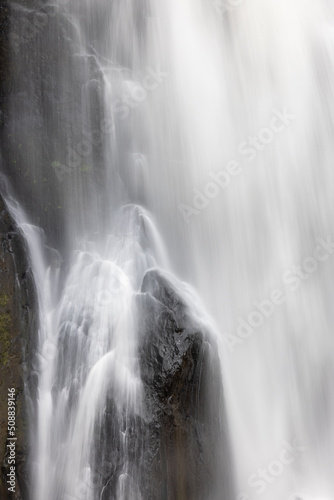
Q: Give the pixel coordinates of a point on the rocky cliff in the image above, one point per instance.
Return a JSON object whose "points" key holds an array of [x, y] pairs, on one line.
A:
{"points": [[17, 333], [178, 447]]}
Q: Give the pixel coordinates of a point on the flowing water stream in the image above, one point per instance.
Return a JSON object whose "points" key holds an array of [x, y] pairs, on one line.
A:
{"points": [[196, 136]]}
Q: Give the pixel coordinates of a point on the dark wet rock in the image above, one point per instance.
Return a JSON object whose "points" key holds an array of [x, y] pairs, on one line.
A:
{"points": [[37, 49], [187, 456], [4, 55], [120, 437], [176, 448], [17, 336]]}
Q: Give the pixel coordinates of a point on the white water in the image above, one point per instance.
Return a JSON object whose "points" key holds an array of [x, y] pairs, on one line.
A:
{"points": [[224, 77]]}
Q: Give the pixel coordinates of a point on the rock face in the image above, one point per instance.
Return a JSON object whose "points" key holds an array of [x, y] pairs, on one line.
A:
{"points": [[187, 456], [17, 333], [177, 448]]}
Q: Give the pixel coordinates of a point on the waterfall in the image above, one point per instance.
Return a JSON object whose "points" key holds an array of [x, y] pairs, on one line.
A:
{"points": [[192, 136]]}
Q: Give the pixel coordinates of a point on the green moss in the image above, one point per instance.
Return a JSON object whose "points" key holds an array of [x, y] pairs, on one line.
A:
{"points": [[3, 300], [86, 168], [5, 325], [5, 328]]}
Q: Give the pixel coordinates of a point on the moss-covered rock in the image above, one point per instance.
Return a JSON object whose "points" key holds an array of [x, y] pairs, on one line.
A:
{"points": [[17, 333]]}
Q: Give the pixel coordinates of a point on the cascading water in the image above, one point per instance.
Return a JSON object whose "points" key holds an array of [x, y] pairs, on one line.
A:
{"points": [[217, 118]]}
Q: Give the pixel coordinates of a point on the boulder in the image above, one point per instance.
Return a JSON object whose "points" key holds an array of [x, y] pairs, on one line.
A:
{"points": [[177, 446], [187, 455]]}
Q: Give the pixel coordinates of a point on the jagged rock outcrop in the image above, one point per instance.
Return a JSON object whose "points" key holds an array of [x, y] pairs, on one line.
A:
{"points": [[177, 448], [188, 453], [18, 312]]}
